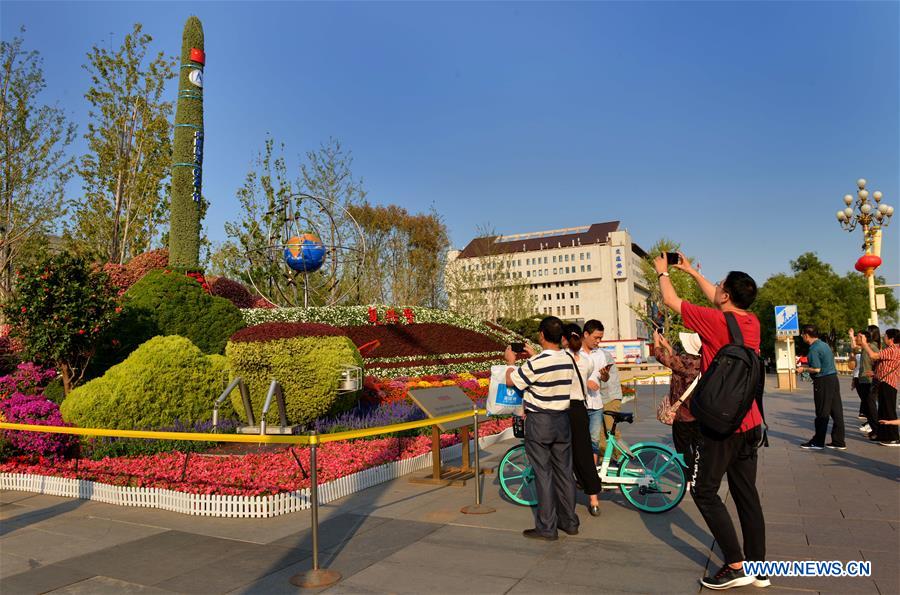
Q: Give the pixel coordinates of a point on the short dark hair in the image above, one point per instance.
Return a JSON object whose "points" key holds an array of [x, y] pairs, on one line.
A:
{"points": [[893, 334], [874, 334], [552, 329], [592, 325], [572, 333], [741, 288], [865, 333], [810, 330]]}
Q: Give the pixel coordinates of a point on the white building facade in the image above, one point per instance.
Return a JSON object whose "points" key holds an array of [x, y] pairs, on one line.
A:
{"points": [[576, 274]]}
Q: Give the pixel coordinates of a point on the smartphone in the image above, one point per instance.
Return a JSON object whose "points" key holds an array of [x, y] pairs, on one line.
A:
{"points": [[517, 347], [673, 258]]}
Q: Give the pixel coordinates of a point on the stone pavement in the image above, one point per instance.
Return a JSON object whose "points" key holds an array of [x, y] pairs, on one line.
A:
{"points": [[400, 537]]}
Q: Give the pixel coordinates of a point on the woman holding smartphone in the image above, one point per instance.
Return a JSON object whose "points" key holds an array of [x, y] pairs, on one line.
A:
{"points": [[582, 449]]}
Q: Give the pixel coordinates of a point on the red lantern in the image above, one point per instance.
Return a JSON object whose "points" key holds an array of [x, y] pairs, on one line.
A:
{"points": [[867, 264], [198, 56]]}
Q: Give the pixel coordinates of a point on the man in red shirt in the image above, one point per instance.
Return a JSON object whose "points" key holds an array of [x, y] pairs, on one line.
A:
{"points": [[735, 455]]}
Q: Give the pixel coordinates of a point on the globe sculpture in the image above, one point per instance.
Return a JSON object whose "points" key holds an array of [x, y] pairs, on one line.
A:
{"points": [[305, 253], [311, 253]]}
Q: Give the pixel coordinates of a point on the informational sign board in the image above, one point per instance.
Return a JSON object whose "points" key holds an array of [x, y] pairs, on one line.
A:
{"points": [[444, 400], [787, 323]]}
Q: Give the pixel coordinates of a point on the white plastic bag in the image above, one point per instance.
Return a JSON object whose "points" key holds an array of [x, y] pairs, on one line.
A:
{"points": [[502, 399]]}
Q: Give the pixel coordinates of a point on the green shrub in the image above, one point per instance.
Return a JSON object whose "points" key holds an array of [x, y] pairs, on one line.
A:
{"points": [[307, 367], [54, 391], [167, 303], [166, 380]]}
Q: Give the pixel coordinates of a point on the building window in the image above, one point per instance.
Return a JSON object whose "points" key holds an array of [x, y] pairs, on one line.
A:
{"points": [[528, 274], [582, 268], [564, 310], [567, 258], [581, 256], [578, 309], [588, 255], [589, 268], [576, 295], [545, 260]]}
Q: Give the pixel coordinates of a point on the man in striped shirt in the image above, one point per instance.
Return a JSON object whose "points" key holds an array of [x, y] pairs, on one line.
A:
{"points": [[546, 382]]}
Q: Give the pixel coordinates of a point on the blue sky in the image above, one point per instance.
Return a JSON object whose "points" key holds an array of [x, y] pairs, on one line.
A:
{"points": [[732, 127]]}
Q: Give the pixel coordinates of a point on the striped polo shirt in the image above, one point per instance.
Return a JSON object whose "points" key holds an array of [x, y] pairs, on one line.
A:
{"points": [[546, 381]]}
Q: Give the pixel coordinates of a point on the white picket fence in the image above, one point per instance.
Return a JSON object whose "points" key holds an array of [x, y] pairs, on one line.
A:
{"points": [[229, 506]]}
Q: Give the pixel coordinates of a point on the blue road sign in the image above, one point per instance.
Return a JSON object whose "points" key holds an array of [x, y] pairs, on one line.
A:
{"points": [[787, 323]]}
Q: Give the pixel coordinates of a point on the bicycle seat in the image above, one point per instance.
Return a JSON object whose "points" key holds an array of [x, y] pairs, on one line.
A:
{"points": [[618, 416]]}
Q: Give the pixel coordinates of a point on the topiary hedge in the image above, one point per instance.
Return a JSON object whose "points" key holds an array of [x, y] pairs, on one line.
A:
{"points": [[167, 379], [167, 303], [306, 359]]}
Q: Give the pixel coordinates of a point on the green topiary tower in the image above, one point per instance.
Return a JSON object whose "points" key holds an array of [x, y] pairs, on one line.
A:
{"points": [[187, 154]]}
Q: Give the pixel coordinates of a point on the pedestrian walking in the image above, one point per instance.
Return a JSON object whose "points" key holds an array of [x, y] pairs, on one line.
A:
{"points": [[546, 382], [733, 456], [826, 392], [887, 376]]}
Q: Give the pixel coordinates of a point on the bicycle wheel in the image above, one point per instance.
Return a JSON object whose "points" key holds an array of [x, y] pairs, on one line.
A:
{"points": [[667, 485], [517, 477]]}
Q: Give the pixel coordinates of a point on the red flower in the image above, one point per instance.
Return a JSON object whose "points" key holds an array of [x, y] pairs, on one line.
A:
{"points": [[24, 309], [373, 316], [118, 309], [81, 331]]}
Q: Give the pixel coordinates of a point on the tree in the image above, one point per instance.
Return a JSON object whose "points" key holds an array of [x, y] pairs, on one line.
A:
{"points": [[273, 206], [130, 150], [404, 256], [486, 285], [832, 302], [33, 159], [655, 312], [187, 166], [59, 310]]}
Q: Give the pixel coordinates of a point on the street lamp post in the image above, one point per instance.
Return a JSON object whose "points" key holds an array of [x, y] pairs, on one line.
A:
{"points": [[871, 216]]}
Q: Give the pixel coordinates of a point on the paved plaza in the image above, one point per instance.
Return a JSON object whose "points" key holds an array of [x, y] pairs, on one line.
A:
{"points": [[405, 538]]}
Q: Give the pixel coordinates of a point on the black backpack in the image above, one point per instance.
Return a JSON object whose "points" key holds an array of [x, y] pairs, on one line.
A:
{"points": [[729, 387]]}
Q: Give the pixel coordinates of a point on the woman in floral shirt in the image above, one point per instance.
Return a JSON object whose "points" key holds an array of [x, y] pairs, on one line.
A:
{"points": [[685, 368]]}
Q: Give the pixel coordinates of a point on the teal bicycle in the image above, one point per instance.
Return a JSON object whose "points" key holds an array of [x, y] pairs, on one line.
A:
{"points": [[650, 475]]}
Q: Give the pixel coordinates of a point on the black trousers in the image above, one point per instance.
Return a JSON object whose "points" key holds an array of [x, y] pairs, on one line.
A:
{"points": [[685, 435], [548, 444], [582, 450], [734, 457], [827, 398], [887, 409], [868, 403]]}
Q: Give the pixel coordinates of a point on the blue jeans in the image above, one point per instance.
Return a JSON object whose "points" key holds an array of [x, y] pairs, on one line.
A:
{"points": [[595, 426]]}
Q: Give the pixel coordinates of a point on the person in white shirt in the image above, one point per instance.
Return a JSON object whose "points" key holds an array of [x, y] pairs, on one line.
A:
{"points": [[582, 450], [591, 335]]}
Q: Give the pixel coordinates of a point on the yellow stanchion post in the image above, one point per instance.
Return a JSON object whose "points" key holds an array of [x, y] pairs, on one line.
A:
{"points": [[478, 507], [316, 577]]}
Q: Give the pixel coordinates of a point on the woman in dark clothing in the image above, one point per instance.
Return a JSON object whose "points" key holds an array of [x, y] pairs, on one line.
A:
{"points": [[685, 368], [582, 450]]}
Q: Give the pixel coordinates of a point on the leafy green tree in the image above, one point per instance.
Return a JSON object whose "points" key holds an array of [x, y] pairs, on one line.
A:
{"points": [[34, 162], [832, 302], [59, 310], [130, 151]]}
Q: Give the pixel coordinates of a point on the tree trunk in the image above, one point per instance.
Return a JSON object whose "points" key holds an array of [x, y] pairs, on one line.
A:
{"points": [[66, 372]]}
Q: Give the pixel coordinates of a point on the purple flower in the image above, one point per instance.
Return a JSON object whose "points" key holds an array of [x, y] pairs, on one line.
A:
{"points": [[36, 410]]}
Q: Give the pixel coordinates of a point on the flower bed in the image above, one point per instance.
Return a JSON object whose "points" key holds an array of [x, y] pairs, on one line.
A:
{"points": [[392, 390], [244, 475]]}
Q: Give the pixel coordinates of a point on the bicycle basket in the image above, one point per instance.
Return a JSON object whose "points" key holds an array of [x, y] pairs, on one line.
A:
{"points": [[518, 426]]}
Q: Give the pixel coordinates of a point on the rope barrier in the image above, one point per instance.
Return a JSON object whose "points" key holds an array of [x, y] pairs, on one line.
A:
{"points": [[247, 438]]}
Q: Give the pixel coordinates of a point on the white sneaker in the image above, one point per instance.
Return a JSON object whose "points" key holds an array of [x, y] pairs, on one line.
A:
{"points": [[761, 581], [865, 428]]}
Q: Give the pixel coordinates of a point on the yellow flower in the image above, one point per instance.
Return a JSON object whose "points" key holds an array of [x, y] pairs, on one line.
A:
{"points": [[466, 376], [484, 382], [448, 383]]}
